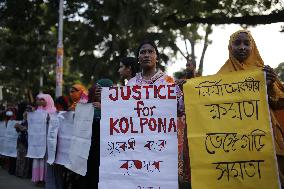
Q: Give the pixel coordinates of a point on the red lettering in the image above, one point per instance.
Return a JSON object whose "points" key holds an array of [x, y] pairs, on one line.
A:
{"points": [[143, 121], [111, 97], [157, 164], [171, 92], [147, 87], [124, 165], [159, 125], [162, 125], [152, 124], [138, 108], [125, 120], [128, 93], [112, 125], [155, 91], [132, 126], [152, 111], [172, 125], [136, 89], [159, 90], [137, 164]]}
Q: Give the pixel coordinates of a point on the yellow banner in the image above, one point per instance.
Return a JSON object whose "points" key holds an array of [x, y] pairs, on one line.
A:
{"points": [[229, 132]]}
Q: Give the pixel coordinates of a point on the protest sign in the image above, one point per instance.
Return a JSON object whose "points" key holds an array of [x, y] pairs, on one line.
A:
{"points": [[139, 138], [81, 138], [53, 127], [37, 129], [2, 135], [229, 132], [10, 140], [66, 125]]}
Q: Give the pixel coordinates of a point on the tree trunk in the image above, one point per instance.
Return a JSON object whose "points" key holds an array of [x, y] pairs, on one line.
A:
{"points": [[200, 67], [205, 45], [192, 44]]}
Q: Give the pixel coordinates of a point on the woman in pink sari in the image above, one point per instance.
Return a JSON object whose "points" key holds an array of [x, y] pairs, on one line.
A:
{"points": [[44, 103]]}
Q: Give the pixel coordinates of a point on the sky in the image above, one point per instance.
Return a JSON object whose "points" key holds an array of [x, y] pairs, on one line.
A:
{"points": [[269, 41]]}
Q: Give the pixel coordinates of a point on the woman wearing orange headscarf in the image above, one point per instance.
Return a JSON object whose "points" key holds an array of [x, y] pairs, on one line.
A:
{"points": [[244, 55], [78, 93]]}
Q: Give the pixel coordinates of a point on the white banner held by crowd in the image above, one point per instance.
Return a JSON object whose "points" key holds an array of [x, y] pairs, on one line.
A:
{"points": [[81, 139], [139, 138], [52, 137], [10, 141], [2, 135], [37, 134], [66, 122]]}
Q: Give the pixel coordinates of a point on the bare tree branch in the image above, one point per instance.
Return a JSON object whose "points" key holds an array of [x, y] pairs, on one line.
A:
{"points": [[192, 44], [205, 45], [187, 52], [181, 52]]}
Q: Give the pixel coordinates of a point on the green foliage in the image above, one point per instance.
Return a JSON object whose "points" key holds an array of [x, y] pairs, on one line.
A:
{"points": [[280, 71], [97, 33], [180, 74], [27, 46]]}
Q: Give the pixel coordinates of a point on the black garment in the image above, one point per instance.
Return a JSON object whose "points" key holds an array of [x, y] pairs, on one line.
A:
{"points": [[23, 135], [94, 156], [12, 165]]}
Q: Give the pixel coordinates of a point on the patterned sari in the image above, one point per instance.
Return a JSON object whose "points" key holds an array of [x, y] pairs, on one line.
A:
{"points": [[161, 78]]}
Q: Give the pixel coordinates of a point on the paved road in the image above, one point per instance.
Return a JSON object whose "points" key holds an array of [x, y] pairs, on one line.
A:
{"points": [[12, 182]]}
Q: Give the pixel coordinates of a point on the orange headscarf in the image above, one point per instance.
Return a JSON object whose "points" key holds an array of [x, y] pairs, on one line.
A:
{"points": [[81, 93], [254, 61]]}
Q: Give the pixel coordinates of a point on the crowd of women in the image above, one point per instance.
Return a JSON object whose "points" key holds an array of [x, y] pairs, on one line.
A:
{"points": [[243, 55]]}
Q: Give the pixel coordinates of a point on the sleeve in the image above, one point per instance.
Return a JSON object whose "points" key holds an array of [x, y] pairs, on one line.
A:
{"points": [[180, 102], [276, 95]]}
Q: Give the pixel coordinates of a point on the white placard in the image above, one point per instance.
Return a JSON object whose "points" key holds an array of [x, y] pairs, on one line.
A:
{"points": [[139, 148], [10, 140], [52, 137], [81, 138], [2, 135], [37, 126], [66, 125]]}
